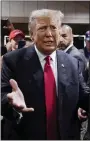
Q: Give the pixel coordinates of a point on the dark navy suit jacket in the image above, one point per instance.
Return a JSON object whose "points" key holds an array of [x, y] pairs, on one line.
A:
{"points": [[23, 65]]}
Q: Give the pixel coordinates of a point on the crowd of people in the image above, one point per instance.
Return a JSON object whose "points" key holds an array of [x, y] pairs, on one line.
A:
{"points": [[16, 38], [45, 82]]}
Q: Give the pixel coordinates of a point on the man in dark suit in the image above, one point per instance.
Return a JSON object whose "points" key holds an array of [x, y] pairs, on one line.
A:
{"points": [[46, 80], [86, 52], [66, 44], [87, 134]]}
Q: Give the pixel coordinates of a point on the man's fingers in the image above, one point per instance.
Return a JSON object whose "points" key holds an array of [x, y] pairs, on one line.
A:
{"points": [[28, 110], [83, 111], [13, 84], [82, 117], [9, 96], [14, 101], [80, 114]]}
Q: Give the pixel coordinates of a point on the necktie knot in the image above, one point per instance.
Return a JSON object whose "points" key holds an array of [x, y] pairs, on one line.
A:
{"points": [[48, 60]]}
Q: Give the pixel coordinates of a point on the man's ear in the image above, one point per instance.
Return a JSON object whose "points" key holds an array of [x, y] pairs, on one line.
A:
{"points": [[31, 36]]}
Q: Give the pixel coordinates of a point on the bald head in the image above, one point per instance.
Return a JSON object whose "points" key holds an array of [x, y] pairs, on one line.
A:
{"points": [[66, 37], [66, 28]]}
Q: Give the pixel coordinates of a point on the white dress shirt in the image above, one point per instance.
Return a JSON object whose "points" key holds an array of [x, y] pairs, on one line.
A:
{"points": [[53, 62]]}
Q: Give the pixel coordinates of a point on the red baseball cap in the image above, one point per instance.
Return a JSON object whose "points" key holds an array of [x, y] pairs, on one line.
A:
{"points": [[16, 32]]}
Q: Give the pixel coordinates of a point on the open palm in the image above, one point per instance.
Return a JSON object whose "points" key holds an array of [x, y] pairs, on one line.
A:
{"points": [[16, 98]]}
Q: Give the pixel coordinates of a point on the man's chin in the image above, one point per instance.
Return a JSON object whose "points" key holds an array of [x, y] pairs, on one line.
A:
{"points": [[62, 48], [49, 50]]}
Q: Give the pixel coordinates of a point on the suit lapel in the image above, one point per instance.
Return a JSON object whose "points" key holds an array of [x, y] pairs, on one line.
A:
{"points": [[62, 81], [34, 67], [61, 68], [69, 50]]}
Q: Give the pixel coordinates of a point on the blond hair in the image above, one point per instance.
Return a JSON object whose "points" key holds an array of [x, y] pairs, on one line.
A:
{"points": [[58, 16]]}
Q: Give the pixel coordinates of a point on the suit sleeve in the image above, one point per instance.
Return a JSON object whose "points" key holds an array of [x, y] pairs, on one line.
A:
{"points": [[6, 74], [81, 60], [84, 93]]}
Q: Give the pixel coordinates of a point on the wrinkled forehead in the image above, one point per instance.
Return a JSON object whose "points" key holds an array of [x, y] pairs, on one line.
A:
{"points": [[48, 20]]}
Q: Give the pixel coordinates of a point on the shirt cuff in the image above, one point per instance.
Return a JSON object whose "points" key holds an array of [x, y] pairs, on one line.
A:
{"points": [[19, 117]]}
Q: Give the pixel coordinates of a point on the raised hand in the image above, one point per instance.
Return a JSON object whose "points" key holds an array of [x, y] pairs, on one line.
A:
{"points": [[16, 98]]}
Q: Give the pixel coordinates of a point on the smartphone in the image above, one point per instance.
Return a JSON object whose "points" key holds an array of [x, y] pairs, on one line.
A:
{"points": [[21, 44]]}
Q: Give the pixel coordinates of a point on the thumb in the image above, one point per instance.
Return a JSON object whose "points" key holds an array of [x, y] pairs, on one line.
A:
{"points": [[28, 110], [13, 84]]}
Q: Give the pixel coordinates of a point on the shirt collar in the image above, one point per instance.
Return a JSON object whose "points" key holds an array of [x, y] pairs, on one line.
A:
{"points": [[42, 56], [68, 47]]}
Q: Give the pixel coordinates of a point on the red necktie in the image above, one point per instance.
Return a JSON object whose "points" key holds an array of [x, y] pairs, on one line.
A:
{"points": [[50, 99]]}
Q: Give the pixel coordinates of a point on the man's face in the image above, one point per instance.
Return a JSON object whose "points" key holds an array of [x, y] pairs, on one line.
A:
{"points": [[88, 45], [66, 38], [14, 42], [45, 34]]}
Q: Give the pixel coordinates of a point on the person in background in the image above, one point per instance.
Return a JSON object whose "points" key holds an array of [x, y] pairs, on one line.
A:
{"points": [[15, 36], [6, 28], [88, 82], [3, 51], [85, 131], [8, 46], [66, 44], [83, 117], [87, 134], [41, 86], [86, 52], [29, 42]]}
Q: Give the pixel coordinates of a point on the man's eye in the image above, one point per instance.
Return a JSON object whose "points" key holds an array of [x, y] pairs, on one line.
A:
{"points": [[42, 28], [64, 36], [53, 27]]}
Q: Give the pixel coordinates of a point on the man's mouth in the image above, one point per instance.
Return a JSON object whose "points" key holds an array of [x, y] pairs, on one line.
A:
{"points": [[48, 42]]}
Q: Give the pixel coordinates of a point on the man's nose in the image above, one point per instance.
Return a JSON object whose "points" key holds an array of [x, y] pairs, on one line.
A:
{"points": [[61, 39], [48, 32]]}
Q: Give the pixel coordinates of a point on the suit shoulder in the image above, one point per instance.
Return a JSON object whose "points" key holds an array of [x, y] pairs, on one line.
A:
{"points": [[14, 52], [67, 57], [69, 61], [75, 52], [81, 50], [72, 62], [16, 55]]}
